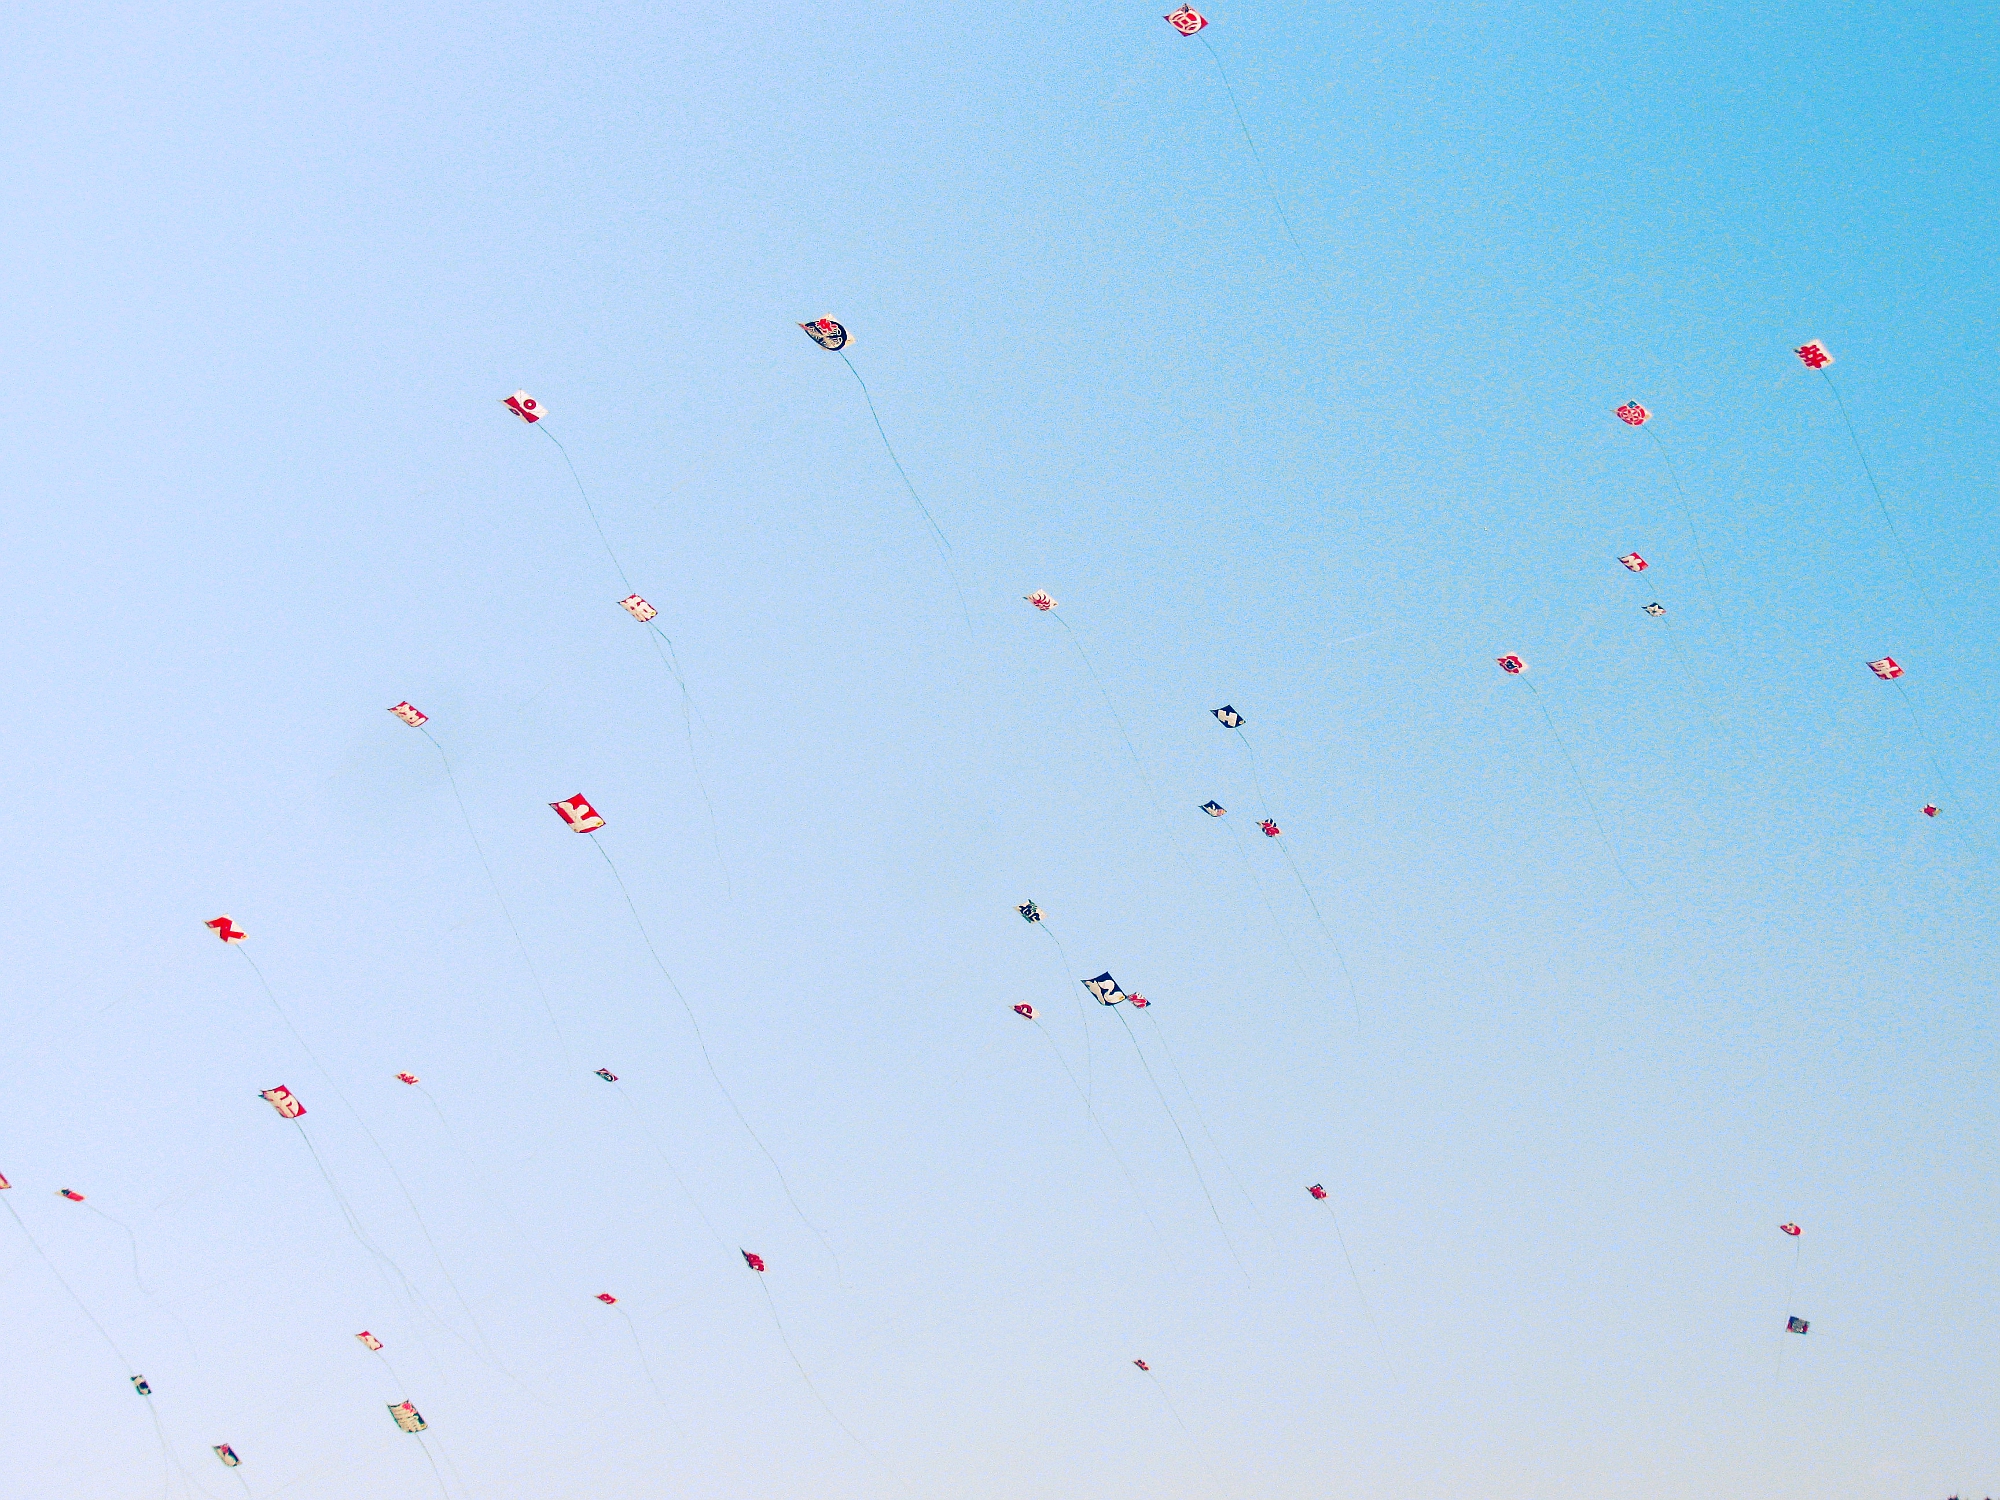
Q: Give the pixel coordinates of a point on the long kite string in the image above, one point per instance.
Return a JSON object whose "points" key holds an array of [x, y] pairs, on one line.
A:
{"points": [[1082, 1011], [702, 1043], [1584, 790], [63, 1282], [647, 1365], [1171, 1408], [798, 1364], [688, 711], [1380, 1343], [505, 910], [1283, 936], [1687, 512], [1937, 769], [1160, 1033], [589, 509], [435, 1472], [1894, 535], [672, 1170], [1255, 154]]}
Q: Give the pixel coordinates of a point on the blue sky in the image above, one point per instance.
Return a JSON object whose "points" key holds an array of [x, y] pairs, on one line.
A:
{"points": [[268, 276]]}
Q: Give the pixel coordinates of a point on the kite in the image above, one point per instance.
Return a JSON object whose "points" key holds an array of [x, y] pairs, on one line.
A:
{"points": [[1143, 1365], [1814, 355], [1227, 717], [66, 1193], [4, 1184], [607, 1075], [280, 1099], [607, 1299], [1635, 415], [1105, 988], [1887, 669], [827, 334], [637, 608], [1930, 811], [1025, 1010], [1029, 911], [751, 1259], [1635, 562], [1214, 809], [1139, 1002], [1271, 830], [1797, 1325], [579, 814], [369, 1341], [1655, 608], [1513, 666], [524, 406], [139, 1385], [411, 715], [1318, 1192], [409, 1078], [225, 929], [1792, 1229], [1632, 414], [407, 1416], [1187, 21], [228, 1455], [1040, 600]]}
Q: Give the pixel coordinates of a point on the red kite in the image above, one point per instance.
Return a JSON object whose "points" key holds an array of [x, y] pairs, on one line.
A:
{"points": [[579, 814], [524, 406], [225, 929]]}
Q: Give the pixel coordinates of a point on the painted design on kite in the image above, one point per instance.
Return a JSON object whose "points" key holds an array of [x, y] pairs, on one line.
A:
{"points": [[1227, 717], [1029, 911], [1271, 830], [1632, 414], [369, 1341], [1655, 608], [1798, 1325], [228, 1455], [409, 1078], [607, 1075], [1040, 600], [1635, 562], [1025, 1010], [225, 929], [407, 1416], [1792, 1229], [280, 1099], [1513, 666], [411, 715], [1105, 989], [637, 608], [578, 813], [753, 1260], [1214, 809], [1187, 20], [1887, 669], [139, 1384], [524, 406], [826, 333]]}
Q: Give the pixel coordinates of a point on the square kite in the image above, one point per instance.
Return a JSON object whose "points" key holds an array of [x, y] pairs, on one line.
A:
{"points": [[638, 608], [524, 406], [1632, 414], [411, 715], [1105, 988], [1886, 669], [1635, 562], [579, 814], [1655, 608], [1798, 1325], [1187, 20], [1814, 355]]}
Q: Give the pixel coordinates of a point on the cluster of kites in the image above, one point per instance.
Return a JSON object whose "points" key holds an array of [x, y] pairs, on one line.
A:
{"points": [[578, 814]]}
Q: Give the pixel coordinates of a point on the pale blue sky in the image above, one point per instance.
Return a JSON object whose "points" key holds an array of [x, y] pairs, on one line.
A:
{"points": [[268, 275]]}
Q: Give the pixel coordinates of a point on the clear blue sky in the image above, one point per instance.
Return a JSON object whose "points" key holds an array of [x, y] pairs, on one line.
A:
{"points": [[268, 271]]}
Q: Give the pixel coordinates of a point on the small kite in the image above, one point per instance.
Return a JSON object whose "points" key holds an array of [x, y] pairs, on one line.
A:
{"points": [[228, 1455], [637, 608], [1632, 414], [225, 929], [1317, 1191], [1187, 21], [1635, 562], [1214, 809], [1814, 355], [4, 1184], [524, 406], [1655, 608], [579, 814], [1029, 911], [1513, 666], [407, 1416], [1228, 717], [1139, 1002], [66, 1193], [1930, 811], [607, 1299], [607, 1075], [368, 1340], [826, 333], [1025, 1010], [1040, 600], [409, 1078], [1105, 988], [1143, 1365], [411, 715], [139, 1385], [1796, 1325], [1886, 669], [753, 1260], [280, 1099], [1792, 1229], [1271, 830]]}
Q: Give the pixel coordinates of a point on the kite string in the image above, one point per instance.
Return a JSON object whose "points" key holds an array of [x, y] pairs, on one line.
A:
{"points": [[1888, 521], [589, 509], [646, 1365], [505, 910], [1255, 155], [1160, 1032], [798, 1364], [694, 761], [672, 1170], [436, 1473], [1283, 936], [1171, 1408], [63, 1282], [702, 1044], [1353, 994], [1687, 512], [1361, 1296], [1924, 739], [1556, 735]]}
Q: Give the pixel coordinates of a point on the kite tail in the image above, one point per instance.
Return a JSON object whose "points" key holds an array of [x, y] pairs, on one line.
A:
{"points": [[1161, 1094], [1255, 155], [785, 1339], [702, 1043], [688, 712], [1610, 847], [1895, 536], [589, 509], [1687, 512], [672, 1170], [1361, 1296], [1353, 995], [1082, 1015], [63, 1282], [646, 1365], [512, 926], [1160, 1032], [1924, 739]]}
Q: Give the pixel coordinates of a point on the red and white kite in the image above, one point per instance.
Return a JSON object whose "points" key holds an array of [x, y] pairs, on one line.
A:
{"points": [[409, 1078], [1792, 1229], [66, 1193], [1886, 669], [280, 1099], [1930, 810], [1513, 666], [637, 608], [1138, 1002], [1040, 600], [1632, 414], [607, 1075], [753, 1260], [4, 1184], [1271, 830], [1187, 21], [1025, 1010], [1814, 355], [607, 1299], [524, 406], [411, 715], [1143, 1365], [1317, 1191], [225, 929], [368, 1339], [1635, 562], [579, 814]]}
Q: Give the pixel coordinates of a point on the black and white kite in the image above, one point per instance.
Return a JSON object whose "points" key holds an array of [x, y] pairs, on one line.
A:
{"points": [[1105, 988]]}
